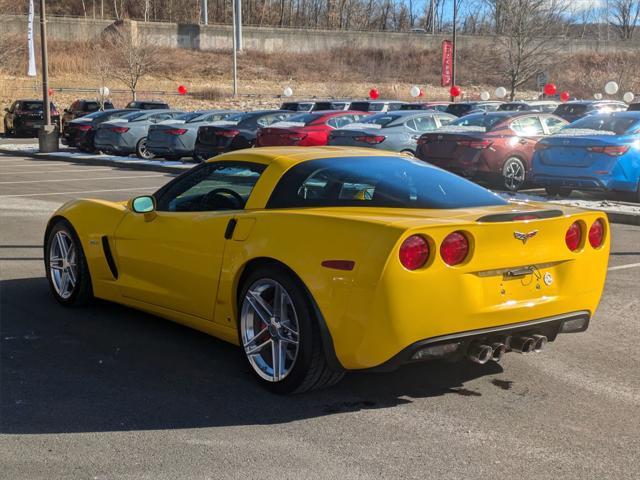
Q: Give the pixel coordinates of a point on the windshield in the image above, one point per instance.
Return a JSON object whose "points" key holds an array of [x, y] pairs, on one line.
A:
{"points": [[487, 122], [376, 182], [603, 124], [188, 116], [381, 119]]}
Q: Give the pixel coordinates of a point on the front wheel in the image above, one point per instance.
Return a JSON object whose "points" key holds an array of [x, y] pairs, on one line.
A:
{"points": [[279, 334], [142, 151], [513, 174], [66, 266]]}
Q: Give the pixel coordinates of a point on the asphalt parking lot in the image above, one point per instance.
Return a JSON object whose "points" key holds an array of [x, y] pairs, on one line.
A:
{"points": [[106, 392]]}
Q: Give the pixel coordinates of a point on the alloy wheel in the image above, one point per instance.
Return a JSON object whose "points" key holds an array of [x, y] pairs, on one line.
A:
{"points": [[144, 152], [269, 329], [62, 264], [513, 175]]}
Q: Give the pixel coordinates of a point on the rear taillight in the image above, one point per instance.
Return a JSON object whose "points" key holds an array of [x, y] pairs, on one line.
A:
{"points": [[573, 237], [540, 146], [596, 233], [414, 252], [477, 144], [227, 133], [372, 139], [454, 248], [84, 128], [119, 129], [612, 150], [176, 131]]}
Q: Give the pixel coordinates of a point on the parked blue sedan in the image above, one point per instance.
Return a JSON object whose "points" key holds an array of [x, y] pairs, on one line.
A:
{"points": [[600, 152]]}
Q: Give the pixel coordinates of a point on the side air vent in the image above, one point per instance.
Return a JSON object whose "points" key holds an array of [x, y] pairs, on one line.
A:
{"points": [[109, 256]]}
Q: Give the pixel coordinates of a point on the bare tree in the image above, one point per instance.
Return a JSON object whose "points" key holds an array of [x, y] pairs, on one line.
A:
{"points": [[132, 57], [530, 30], [624, 17]]}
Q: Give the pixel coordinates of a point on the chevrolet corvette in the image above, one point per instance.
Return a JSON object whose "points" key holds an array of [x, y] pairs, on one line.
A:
{"points": [[321, 260]]}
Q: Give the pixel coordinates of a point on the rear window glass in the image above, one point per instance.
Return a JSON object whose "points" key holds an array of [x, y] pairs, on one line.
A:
{"points": [[360, 106], [634, 107], [479, 120], [606, 124], [188, 116], [381, 119], [577, 109], [513, 107], [296, 106], [33, 106], [305, 118], [376, 182], [458, 109]]}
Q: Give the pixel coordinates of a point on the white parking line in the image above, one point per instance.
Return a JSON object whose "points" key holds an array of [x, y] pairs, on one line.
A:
{"points": [[149, 189], [80, 179], [623, 267], [60, 171]]}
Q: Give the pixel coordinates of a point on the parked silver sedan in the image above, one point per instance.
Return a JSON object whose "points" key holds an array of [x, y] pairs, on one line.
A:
{"points": [[174, 140], [397, 131], [128, 134]]}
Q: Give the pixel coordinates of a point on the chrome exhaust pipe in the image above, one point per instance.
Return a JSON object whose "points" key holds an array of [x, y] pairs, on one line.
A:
{"points": [[479, 353], [522, 344], [499, 351], [540, 341]]}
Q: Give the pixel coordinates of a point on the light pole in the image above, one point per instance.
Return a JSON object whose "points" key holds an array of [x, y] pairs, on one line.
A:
{"points": [[235, 49], [48, 134], [453, 46]]}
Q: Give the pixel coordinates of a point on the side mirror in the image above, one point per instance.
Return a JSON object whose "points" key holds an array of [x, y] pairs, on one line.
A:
{"points": [[143, 204]]}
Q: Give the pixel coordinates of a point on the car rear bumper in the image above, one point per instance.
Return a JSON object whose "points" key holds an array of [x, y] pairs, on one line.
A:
{"points": [[594, 182], [550, 327]]}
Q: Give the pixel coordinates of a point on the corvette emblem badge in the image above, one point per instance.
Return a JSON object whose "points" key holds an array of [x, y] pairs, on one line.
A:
{"points": [[525, 236]]}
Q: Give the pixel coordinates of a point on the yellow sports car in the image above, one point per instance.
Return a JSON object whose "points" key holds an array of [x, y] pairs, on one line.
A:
{"points": [[321, 260]]}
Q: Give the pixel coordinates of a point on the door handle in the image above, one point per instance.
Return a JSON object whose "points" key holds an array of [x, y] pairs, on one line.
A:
{"points": [[231, 226]]}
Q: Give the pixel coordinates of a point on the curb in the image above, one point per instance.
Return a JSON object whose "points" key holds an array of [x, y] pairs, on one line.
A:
{"points": [[623, 218], [91, 160]]}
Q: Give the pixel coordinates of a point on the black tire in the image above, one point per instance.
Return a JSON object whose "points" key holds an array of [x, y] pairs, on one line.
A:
{"points": [[513, 174], [82, 293], [558, 191], [141, 150], [310, 369], [198, 158], [7, 132], [408, 152]]}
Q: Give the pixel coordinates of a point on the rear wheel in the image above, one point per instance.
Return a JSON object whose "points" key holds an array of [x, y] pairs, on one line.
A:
{"points": [[66, 266], [7, 131], [280, 335], [558, 191], [408, 152], [142, 151], [513, 174]]}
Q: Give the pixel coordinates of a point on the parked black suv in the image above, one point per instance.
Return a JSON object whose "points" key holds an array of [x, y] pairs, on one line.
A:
{"points": [[148, 105], [25, 117], [80, 108]]}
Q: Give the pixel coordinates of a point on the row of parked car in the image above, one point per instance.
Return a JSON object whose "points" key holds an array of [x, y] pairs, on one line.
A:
{"points": [[590, 145]]}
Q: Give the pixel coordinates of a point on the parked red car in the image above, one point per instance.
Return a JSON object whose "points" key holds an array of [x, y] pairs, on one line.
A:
{"points": [[307, 129], [495, 146]]}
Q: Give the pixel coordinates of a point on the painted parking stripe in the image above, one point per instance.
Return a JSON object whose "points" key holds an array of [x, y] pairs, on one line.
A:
{"points": [[149, 189], [623, 267], [80, 179], [62, 170]]}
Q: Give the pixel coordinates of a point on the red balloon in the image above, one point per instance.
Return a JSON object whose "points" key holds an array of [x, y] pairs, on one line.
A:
{"points": [[182, 90], [564, 96], [51, 92], [550, 89], [373, 93], [455, 91], [421, 93]]}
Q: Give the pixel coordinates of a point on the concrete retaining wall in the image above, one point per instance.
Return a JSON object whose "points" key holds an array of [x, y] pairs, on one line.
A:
{"points": [[270, 40]]}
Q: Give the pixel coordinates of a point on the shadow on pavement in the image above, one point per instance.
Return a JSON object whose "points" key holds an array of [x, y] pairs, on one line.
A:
{"points": [[110, 368]]}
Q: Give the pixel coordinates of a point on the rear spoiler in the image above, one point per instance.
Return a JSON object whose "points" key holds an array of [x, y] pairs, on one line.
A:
{"points": [[521, 215]]}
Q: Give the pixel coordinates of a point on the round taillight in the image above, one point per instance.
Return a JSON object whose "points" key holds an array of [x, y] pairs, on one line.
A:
{"points": [[414, 252], [596, 233], [454, 248], [573, 237]]}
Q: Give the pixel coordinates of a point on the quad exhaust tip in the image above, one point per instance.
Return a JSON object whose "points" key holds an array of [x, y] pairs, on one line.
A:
{"points": [[523, 344], [499, 351], [479, 353], [540, 342]]}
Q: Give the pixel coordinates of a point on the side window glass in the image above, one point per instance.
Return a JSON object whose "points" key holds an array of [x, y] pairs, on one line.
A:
{"points": [[332, 122], [213, 187], [424, 124], [553, 124], [411, 124], [527, 127], [445, 120], [376, 107], [265, 121]]}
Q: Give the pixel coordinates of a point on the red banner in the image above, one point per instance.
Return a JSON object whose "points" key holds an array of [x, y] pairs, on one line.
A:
{"points": [[447, 62]]}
